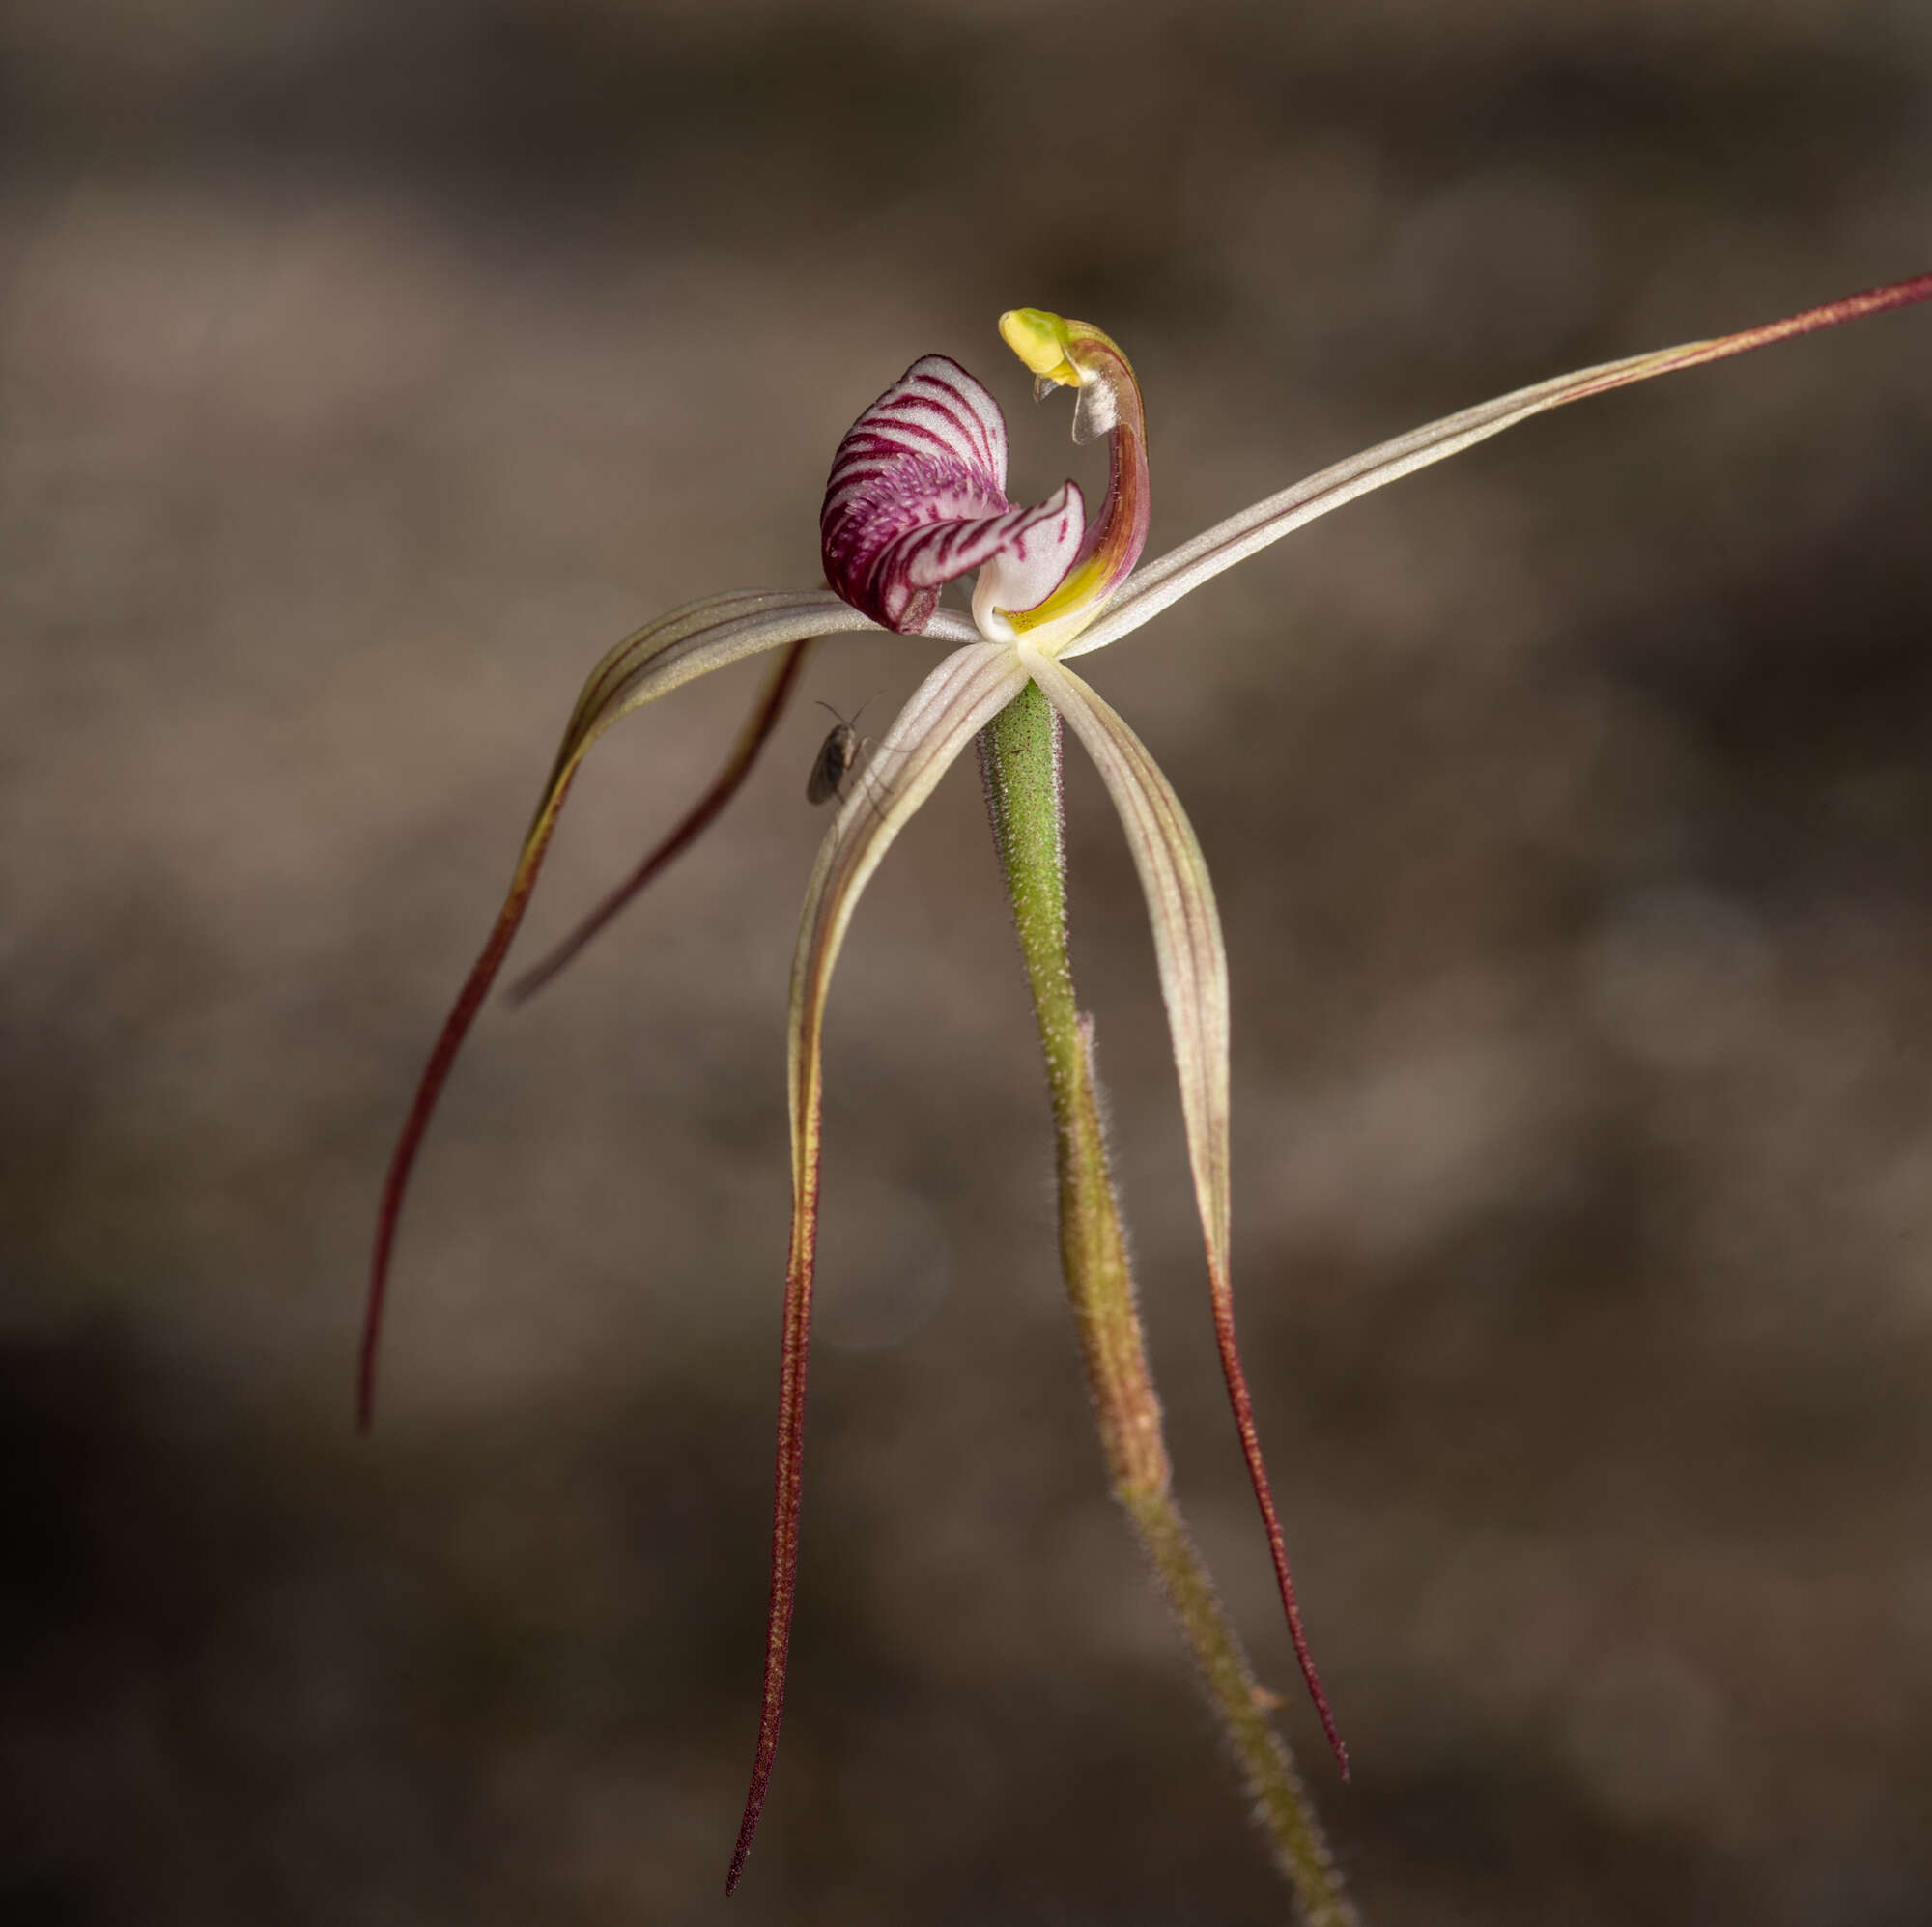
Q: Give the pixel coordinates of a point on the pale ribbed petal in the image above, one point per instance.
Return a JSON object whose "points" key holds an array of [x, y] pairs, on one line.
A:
{"points": [[1193, 968], [1186, 926], [1181, 570], [659, 657], [946, 712]]}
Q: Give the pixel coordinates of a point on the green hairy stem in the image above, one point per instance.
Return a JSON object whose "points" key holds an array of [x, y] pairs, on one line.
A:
{"points": [[1020, 760]]}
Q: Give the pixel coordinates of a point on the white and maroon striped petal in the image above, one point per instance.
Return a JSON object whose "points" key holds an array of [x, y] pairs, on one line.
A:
{"points": [[1021, 557], [1034, 549], [931, 450], [917, 498]]}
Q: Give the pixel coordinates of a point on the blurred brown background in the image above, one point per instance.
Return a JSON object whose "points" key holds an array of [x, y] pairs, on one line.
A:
{"points": [[366, 371]]}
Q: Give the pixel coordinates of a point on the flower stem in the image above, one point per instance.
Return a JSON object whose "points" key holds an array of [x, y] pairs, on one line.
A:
{"points": [[1020, 762]]}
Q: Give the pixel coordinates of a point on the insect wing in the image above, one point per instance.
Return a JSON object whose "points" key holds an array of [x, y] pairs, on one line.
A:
{"points": [[835, 756]]}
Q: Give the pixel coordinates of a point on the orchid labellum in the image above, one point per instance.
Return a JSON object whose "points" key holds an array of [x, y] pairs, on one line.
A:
{"points": [[916, 500]]}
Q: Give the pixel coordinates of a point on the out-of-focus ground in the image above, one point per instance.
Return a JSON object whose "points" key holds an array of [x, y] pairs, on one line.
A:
{"points": [[364, 372]]}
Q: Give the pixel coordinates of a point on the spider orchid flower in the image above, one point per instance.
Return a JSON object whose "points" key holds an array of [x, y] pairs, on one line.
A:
{"points": [[916, 500]]}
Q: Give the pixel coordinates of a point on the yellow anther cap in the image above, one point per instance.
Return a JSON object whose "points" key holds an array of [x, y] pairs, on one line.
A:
{"points": [[1040, 340]]}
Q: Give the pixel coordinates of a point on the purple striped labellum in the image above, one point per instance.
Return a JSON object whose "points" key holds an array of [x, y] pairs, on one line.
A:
{"points": [[917, 499]]}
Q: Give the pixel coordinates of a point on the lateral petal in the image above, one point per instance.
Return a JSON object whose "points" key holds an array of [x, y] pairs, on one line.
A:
{"points": [[1180, 570], [672, 650], [962, 695], [729, 779], [1193, 965]]}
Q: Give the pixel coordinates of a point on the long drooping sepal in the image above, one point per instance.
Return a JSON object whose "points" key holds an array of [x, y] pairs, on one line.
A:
{"points": [[1183, 569], [659, 657], [917, 499], [1107, 401], [1193, 968], [753, 738], [949, 708]]}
